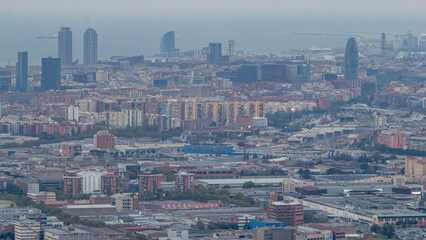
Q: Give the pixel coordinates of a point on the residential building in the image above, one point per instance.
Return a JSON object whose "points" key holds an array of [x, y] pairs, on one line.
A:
{"points": [[42, 196], [243, 220], [103, 140], [184, 181], [274, 233], [110, 184], [73, 184], [27, 185], [290, 184], [72, 113], [150, 183], [91, 181], [27, 230], [71, 150], [415, 167], [124, 202]]}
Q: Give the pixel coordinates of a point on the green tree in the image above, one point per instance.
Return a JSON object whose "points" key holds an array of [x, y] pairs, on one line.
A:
{"points": [[388, 230], [200, 225], [249, 184], [364, 166], [309, 217], [305, 173]]}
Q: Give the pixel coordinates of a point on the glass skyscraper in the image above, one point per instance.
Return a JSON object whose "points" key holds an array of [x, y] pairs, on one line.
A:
{"points": [[50, 73], [22, 72], [351, 59], [65, 45], [215, 53], [167, 42], [90, 47]]}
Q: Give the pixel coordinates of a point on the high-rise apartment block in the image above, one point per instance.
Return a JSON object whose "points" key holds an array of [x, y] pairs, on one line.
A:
{"points": [[415, 167], [150, 183], [103, 139], [184, 181], [73, 184], [110, 184], [72, 113]]}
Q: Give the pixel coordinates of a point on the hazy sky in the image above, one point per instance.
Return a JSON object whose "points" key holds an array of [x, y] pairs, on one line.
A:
{"points": [[133, 27], [89, 8]]}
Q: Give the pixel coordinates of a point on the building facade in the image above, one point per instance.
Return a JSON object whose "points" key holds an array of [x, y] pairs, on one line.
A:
{"points": [[90, 47], [22, 72], [289, 213], [184, 181], [50, 73], [351, 59], [65, 46]]}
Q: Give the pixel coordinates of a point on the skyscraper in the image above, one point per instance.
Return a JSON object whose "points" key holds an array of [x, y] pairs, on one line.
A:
{"points": [[22, 72], [5, 81], [65, 46], [383, 44], [90, 47], [231, 47], [215, 53], [351, 59], [50, 73], [168, 42]]}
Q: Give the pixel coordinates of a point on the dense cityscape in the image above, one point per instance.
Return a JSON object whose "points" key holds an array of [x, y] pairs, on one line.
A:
{"points": [[215, 143]]}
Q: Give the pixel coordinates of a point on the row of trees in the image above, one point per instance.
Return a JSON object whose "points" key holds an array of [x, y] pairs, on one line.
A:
{"points": [[284, 120], [271, 172], [215, 225], [150, 131], [202, 194], [45, 138], [309, 217], [398, 151], [145, 131], [388, 230]]}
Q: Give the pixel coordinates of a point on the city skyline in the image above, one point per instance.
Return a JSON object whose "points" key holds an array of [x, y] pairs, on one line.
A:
{"points": [[197, 119], [272, 32]]}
